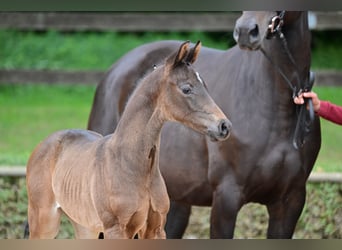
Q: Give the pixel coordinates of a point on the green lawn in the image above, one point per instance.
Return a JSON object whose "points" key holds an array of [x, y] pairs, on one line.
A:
{"points": [[84, 50], [330, 157], [98, 50], [29, 113], [326, 49]]}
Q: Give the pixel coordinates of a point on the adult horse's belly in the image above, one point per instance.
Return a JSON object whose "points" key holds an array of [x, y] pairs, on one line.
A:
{"points": [[184, 165]]}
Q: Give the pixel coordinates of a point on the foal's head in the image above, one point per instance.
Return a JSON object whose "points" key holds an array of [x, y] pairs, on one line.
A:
{"points": [[185, 97]]}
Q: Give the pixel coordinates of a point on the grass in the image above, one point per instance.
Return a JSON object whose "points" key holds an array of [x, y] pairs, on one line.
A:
{"points": [[83, 50], [30, 113], [326, 50], [330, 157], [91, 50]]}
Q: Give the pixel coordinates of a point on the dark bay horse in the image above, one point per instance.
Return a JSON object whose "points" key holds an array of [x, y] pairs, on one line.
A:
{"points": [[254, 83], [113, 184]]}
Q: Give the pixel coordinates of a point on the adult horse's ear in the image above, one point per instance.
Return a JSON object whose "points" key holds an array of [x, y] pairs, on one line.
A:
{"points": [[180, 56], [193, 54]]}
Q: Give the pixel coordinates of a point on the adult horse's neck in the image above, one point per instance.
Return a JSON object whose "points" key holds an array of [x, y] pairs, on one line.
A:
{"points": [[289, 70], [296, 44], [270, 108], [140, 125]]}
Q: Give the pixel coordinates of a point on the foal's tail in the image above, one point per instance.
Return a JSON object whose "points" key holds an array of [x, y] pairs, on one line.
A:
{"points": [[26, 230]]}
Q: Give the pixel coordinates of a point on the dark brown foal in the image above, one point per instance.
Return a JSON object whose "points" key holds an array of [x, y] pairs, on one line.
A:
{"points": [[113, 184]]}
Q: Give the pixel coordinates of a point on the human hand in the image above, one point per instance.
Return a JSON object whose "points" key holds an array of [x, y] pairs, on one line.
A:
{"points": [[315, 100]]}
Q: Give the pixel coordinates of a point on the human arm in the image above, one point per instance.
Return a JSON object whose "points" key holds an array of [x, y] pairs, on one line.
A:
{"points": [[324, 109], [331, 112]]}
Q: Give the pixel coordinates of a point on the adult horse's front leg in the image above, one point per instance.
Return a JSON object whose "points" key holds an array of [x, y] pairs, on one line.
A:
{"points": [[177, 220], [225, 207], [284, 214]]}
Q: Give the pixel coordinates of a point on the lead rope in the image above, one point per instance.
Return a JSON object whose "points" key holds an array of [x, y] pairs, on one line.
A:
{"points": [[277, 68], [305, 117], [304, 120]]}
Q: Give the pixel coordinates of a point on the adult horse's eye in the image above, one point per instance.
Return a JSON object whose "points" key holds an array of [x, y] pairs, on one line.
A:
{"points": [[186, 89]]}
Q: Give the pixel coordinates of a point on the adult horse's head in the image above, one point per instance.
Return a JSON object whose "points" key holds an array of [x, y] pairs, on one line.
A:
{"points": [[254, 27], [186, 98]]}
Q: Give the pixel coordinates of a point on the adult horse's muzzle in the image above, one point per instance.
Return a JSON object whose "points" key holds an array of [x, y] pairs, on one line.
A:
{"points": [[249, 32], [247, 36], [221, 132]]}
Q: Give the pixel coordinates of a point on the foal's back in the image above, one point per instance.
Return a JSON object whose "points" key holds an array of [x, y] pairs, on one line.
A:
{"points": [[55, 149], [55, 144]]}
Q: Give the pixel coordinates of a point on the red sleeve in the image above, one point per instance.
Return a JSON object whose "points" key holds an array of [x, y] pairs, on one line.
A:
{"points": [[330, 112]]}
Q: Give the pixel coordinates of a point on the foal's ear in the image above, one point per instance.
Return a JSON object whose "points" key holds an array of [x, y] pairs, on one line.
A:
{"points": [[180, 56], [193, 54]]}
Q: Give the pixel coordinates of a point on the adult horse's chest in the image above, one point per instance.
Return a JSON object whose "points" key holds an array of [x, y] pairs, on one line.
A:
{"points": [[265, 162], [267, 169]]}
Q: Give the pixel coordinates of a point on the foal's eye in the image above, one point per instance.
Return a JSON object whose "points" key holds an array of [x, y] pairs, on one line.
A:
{"points": [[186, 89]]}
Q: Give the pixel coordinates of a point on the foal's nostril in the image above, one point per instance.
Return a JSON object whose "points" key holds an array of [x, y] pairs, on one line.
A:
{"points": [[254, 32], [224, 128]]}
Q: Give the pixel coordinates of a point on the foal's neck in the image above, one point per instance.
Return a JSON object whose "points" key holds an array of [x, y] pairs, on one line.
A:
{"points": [[138, 131]]}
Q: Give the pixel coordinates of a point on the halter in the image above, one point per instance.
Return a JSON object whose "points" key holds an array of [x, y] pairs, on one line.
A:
{"points": [[305, 117], [275, 24]]}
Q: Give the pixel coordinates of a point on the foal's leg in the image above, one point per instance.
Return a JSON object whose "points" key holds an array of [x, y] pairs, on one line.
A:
{"points": [[117, 231], [154, 228], [82, 232], [44, 221], [44, 213]]}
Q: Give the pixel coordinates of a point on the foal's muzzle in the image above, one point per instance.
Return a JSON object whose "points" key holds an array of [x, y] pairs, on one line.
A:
{"points": [[221, 132]]}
